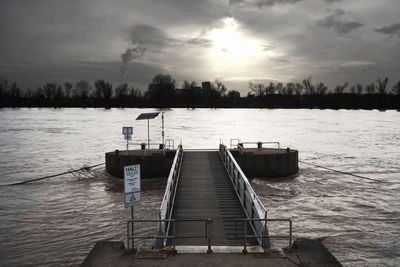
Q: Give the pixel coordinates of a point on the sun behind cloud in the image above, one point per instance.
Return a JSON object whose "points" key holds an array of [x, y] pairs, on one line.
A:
{"points": [[232, 49]]}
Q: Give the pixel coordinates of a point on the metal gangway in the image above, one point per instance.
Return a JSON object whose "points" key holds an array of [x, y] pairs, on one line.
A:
{"points": [[209, 202]]}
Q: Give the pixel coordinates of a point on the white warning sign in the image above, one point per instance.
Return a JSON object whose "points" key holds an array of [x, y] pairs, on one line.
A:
{"points": [[132, 199], [132, 185]]}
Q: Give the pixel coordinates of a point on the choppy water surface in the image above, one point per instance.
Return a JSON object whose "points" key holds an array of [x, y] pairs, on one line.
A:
{"points": [[57, 221]]}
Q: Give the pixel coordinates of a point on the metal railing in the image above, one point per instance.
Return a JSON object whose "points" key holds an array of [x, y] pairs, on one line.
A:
{"points": [[233, 144], [257, 144], [169, 144], [266, 236], [167, 204], [248, 198], [208, 231]]}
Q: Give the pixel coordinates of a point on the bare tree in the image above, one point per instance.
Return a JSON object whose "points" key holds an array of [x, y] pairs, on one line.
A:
{"points": [[279, 88], [258, 89], [309, 88], [121, 91], [4, 86], [15, 91], [370, 88], [28, 93], [103, 90], [289, 89], [161, 91], [188, 85], [340, 88], [82, 89], [396, 88], [270, 89], [382, 86], [321, 88], [68, 89], [298, 88], [49, 90], [59, 93], [360, 88], [220, 87], [135, 93]]}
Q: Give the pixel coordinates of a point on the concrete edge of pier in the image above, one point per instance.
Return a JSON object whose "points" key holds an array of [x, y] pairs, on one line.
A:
{"points": [[304, 252]]}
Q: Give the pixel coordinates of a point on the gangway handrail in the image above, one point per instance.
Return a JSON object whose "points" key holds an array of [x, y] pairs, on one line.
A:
{"points": [[167, 203], [257, 143], [208, 231], [251, 204], [266, 235]]}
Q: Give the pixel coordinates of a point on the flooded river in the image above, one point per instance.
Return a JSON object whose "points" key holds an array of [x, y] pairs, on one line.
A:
{"points": [[57, 221]]}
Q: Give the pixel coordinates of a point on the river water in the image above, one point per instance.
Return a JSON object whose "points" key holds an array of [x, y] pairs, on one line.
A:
{"points": [[57, 221]]}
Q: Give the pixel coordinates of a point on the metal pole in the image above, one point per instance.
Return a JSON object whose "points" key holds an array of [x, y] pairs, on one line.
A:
{"points": [[148, 134], [245, 237], [174, 237], [127, 235], [162, 126], [133, 239], [290, 234], [209, 227]]}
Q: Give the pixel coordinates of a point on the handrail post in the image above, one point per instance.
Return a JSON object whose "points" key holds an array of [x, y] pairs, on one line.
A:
{"points": [[174, 237], [245, 237], [209, 227]]}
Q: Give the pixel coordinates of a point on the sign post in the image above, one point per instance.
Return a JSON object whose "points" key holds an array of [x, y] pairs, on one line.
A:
{"points": [[127, 132], [132, 192]]}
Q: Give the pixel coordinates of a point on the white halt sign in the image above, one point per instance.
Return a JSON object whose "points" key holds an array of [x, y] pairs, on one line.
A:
{"points": [[132, 185]]}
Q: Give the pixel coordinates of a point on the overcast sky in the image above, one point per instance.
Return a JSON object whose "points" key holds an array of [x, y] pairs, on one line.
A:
{"points": [[236, 41]]}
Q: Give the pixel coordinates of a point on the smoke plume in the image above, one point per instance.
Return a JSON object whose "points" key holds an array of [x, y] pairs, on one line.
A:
{"points": [[136, 51]]}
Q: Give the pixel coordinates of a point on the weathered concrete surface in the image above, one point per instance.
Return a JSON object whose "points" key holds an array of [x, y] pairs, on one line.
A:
{"points": [[305, 253], [267, 162], [311, 252], [153, 162]]}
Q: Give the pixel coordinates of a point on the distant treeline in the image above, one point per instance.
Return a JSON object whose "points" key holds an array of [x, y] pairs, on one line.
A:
{"points": [[162, 93]]}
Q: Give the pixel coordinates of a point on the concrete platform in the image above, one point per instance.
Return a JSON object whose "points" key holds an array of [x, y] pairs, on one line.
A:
{"points": [[267, 162], [153, 162], [305, 252]]}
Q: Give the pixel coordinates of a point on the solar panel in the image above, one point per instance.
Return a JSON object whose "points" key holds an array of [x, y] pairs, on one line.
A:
{"points": [[145, 116]]}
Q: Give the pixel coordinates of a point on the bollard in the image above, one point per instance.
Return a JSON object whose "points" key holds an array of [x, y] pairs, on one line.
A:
{"points": [[259, 144]]}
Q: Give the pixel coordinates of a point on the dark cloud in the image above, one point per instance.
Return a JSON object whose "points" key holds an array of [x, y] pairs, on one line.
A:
{"points": [[199, 42], [392, 30], [235, 2], [261, 3], [57, 40], [153, 38], [337, 22]]}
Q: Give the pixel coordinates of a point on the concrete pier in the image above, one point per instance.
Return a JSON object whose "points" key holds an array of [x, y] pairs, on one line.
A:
{"points": [[153, 162], [255, 162], [267, 162], [304, 252]]}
